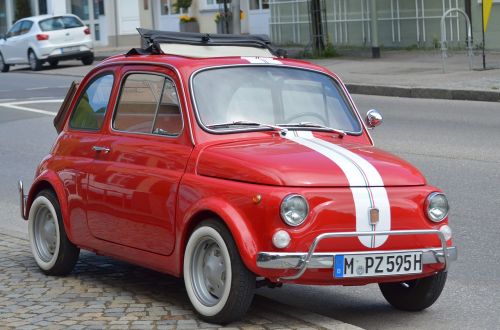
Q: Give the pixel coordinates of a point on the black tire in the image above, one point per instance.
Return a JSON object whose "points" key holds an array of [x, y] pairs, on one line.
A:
{"points": [[33, 61], [231, 301], [51, 248], [88, 60], [3, 66], [414, 295], [53, 63]]}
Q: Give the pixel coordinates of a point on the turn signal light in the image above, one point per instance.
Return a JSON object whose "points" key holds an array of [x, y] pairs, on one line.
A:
{"points": [[41, 37], [86, 31]]}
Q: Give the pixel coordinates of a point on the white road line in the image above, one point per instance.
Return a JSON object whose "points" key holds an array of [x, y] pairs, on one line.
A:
{"points": [[17, 106], [43, 112], [35, 88], [33, 101]]}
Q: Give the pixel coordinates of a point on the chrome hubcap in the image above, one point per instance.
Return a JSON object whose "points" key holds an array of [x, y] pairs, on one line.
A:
{"points": [[208, 271], [45, 234]]}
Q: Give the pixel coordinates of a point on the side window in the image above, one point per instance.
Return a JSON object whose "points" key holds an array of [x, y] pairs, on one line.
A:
{"points": [[26, 27], [91, 108], [15, 30], [148, 104], [168, 119]]}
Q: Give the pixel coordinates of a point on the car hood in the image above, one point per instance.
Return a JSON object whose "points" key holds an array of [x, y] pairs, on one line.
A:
{"points": [[306, 163]]}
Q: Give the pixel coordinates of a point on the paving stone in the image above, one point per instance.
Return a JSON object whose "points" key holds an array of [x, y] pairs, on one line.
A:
{"points": [[102, 293]]}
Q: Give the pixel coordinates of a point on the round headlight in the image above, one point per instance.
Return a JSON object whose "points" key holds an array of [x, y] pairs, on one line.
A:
{"points": [[294, 209], [436, 206]]}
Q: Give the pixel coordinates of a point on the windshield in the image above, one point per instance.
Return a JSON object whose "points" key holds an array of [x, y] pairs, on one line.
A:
{"points": [[269, 95]]}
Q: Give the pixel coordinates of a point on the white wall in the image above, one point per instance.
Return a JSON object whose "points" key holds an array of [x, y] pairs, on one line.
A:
{"points": [[57, 7], [128, 16]]}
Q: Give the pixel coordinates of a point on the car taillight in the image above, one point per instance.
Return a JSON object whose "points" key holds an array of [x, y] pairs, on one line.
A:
{"points": [[86, 31], [41, 37]]}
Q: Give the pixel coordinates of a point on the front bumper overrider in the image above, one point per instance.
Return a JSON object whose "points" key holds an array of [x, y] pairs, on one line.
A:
{"points": [[301, 261]]}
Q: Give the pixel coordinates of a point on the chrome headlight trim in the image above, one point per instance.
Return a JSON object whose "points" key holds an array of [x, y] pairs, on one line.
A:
{"points": [[286, 209], [436, 216]]}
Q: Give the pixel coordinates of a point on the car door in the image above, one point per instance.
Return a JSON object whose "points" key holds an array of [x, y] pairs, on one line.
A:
{"points": [[74, 151], [134, 181], [20, 48], [8, 48]]}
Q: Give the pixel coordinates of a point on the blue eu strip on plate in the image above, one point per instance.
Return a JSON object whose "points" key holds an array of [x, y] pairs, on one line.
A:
{"points": [[339, 266]]}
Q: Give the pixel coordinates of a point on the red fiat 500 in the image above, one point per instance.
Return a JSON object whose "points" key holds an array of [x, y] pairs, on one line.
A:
{"points": [[216, 159]]}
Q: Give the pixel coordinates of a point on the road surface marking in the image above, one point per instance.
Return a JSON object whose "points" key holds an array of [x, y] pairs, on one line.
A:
{"points": [[35, 88], [17, 106]]}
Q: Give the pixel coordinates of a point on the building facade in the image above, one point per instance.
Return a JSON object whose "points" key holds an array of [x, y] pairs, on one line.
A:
{"points": [[113, 23], [401, 23]]}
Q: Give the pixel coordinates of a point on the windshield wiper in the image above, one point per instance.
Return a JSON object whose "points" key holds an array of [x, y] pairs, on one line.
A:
{"points": [[340, 132], [248, 123]]}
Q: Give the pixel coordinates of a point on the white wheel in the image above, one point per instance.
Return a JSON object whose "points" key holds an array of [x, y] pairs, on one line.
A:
{"points": [[53, 252], [218, 284]]}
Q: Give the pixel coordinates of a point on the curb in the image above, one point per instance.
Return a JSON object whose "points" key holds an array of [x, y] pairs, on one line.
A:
{"points": [[425, 93]]}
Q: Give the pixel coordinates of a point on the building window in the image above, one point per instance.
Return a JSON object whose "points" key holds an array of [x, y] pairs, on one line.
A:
{"points": [[80, 8], [98, 8], [42, 7]]}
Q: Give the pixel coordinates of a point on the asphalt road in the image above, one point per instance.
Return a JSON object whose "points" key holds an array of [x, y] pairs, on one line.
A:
{"points": [[454, 143]]}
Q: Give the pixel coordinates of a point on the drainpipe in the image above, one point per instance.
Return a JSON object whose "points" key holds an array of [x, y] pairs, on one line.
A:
{"points": [[374, 29]]}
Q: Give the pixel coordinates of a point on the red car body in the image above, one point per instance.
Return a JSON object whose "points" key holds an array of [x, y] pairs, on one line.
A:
{"points": [[140, 196]]}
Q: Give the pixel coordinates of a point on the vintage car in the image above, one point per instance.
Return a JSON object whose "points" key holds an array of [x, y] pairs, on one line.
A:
{"points": [[216, 159]]}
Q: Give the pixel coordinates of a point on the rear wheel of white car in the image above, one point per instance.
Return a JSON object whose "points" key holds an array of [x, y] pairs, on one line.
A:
{"points": [[34, 62], [3, 67], [52, 250], [88, 60], [218, 284], [414, 295]]}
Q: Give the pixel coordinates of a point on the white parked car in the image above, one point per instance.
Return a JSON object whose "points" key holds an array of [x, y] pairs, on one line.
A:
{"points": [[39, 39]]}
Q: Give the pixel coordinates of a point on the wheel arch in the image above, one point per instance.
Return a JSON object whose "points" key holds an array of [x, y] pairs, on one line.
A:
{"points": [[237, 225], [50, 182]]}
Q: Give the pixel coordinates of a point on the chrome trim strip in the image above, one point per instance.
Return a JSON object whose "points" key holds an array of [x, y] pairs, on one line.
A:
{"points": [[283, 260], [22, 199], [305, 260], [342, 87]]}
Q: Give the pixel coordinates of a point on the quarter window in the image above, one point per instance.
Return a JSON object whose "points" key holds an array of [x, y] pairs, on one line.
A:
{"points": [[91, 108], [148, 104]]}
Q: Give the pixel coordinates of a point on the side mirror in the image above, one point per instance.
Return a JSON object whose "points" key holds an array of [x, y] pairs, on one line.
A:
{"points": [[373, 118]]}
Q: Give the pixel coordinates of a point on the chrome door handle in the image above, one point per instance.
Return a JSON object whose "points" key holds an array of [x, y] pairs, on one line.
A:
{"points": [[101, 149]]}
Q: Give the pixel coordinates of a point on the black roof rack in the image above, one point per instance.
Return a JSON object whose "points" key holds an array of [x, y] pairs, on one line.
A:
{"points": [[151, 40]]}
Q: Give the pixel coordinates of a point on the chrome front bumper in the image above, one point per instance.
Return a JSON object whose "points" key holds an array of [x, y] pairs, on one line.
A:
{"points": [[301, 261], [22, 199]]}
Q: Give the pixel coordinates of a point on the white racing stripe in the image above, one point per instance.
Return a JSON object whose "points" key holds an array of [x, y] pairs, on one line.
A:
{"points": [[366, 184]]}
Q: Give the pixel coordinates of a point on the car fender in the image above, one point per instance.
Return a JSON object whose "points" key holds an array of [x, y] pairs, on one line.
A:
{"points": [[235, 221], [49, 179], [36, 50]]}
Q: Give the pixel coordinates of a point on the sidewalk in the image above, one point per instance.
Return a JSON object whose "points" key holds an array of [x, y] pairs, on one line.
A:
{"points": [[419, 74]]}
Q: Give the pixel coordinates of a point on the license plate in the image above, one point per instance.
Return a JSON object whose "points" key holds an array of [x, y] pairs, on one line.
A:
{"points": [[70, 49], [366, 265]]}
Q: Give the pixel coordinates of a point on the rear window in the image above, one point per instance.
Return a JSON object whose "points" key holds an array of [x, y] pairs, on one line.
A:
{"points": [[60, 23]]}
